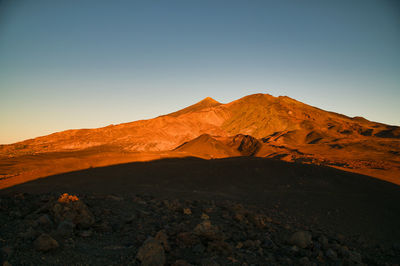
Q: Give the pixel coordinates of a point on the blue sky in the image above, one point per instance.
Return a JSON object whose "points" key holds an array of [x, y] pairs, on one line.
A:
{"points": [[84, 64]]}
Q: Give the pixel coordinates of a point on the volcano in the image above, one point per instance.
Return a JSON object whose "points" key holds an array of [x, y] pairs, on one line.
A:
{"points": [[258, 125], [242, 181]]}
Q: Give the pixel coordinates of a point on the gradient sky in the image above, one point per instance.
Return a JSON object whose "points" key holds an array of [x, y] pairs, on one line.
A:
{"points": [[84, 64]]}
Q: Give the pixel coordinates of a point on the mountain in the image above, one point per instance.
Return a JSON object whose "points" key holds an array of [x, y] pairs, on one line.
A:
{"points": [[256, 125], [206, 146]]}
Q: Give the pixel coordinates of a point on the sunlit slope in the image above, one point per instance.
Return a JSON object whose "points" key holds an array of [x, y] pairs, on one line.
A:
{"points": [[262, 116]]}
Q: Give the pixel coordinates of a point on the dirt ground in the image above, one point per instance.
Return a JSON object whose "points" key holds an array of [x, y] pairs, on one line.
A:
{"points": [[358, 215]]}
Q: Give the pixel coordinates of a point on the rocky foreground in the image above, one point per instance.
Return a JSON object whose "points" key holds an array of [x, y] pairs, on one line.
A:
{"points": [[54, 229]]}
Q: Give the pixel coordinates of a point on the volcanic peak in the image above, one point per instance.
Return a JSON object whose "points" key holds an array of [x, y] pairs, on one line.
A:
{"points": [[207, 102]]}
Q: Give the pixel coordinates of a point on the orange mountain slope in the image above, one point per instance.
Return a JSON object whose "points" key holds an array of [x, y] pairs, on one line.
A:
{"points": [[207, 147], [255, 125]]}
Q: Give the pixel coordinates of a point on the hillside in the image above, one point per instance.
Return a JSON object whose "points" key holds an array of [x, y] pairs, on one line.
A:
{"points": [[256, 125], [206, 146]]}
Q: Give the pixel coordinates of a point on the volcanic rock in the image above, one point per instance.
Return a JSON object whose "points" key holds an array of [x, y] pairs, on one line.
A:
{"points": [[331, 254], [44, 221], [151, 253], [162, 237], [45, 243], [186, 239], [65, 228], [73, 210], [207, 230], [181, 263], [301, 239]]}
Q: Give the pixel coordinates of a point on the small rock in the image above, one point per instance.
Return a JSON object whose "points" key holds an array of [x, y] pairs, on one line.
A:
{"points": [[186, 239], [341, 238], [65, 198], [44, 221], [181, 263], [324, 242], [16, 214], [112, 197], [286, 261], [162, 237], [208, 262], [344, 251], [45, 243], [331, 254], [65, 228], [251, 243], [335, 246], [7, 251], [240, 217], [131, 218], [172, 205], [205, 216], [103, 227], [220, 247], [304, 261], [396, 246], [355, 257], [199, 249], [151, 253], [86, 233], [116, 226], [187, 211], [29, 234], [268, 243], [207, 230], [114, 247], [209, 210], [320, 257], [301, 239], [233, 260], [69, 242], [294, 249], [260, 221]]}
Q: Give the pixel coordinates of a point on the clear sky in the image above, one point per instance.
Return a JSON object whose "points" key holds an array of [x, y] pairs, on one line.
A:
{"points": [[84, 64]]}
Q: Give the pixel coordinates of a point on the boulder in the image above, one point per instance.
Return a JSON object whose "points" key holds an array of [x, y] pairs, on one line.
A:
{"points": [[187, 211], [186, 239], [65, 228], [302, 239], [151, 253], [44, 221], [181, 263], [72, 209], [331, 254], [162, 237], [45, 243], [355, 257], [207, 230]]}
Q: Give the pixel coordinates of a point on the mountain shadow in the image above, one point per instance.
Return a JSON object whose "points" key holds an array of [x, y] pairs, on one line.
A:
{"points": [[350, 203]]}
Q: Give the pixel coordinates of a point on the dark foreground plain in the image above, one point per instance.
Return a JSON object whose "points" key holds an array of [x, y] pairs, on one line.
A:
{"points": [[227, 211]]}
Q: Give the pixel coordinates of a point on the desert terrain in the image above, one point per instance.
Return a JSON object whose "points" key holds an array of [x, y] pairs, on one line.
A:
{"points": [[258, 125], [262, 180]]}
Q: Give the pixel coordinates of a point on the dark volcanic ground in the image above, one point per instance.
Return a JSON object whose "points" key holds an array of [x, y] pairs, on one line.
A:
{"points": [[226, 211]]}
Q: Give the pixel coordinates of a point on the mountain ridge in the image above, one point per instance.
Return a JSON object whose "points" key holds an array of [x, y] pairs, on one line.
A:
{"points": [[275, 127]]}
